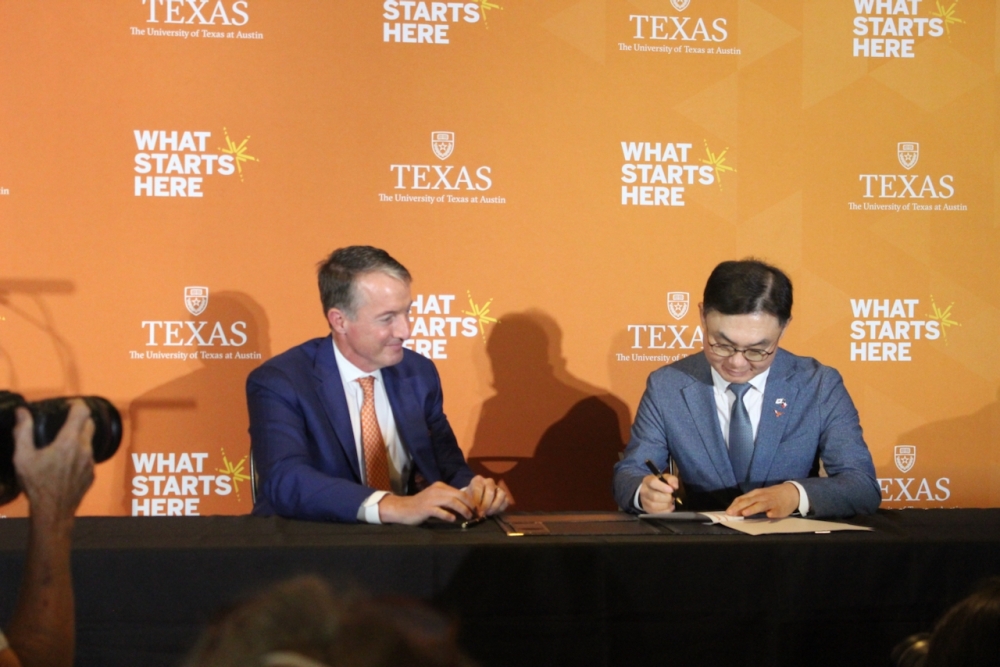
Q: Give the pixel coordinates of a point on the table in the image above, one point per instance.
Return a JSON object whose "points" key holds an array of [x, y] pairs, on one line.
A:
{"points": [[145, 586]]}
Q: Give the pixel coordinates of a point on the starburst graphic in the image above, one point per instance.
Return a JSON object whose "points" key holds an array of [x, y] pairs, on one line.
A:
{"points": [[235, 472], [239, 151], [481, 313], [944, 317], [484, 6], [948, 15], [718, 163]]}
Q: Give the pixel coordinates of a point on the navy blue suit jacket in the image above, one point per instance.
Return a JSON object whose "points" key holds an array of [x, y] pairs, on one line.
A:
{"points": [[807, 417], [303, 443]]}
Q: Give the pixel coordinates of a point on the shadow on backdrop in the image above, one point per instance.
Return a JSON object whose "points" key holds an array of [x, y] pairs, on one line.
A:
{"points": [[551, 438], [28, 320], [205, 411], [628, 378], [966, 447], [14, 292]]}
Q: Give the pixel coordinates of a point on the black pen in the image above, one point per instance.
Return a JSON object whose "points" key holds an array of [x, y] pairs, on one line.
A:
{"points": [[659, 475], [474, 521]]}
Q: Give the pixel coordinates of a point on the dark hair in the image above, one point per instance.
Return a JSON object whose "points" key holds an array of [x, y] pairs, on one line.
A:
{"points": [[749, 286], [912, 651], [339, 272], [969, 634], [305, 618], [300, 614]]}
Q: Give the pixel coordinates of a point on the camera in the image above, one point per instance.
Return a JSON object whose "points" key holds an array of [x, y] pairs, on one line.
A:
{"points": [[49, 416]]}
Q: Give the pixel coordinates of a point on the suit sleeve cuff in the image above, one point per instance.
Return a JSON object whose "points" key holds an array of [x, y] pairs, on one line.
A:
{"points": [[368, 512], [803, 499], [635, 499]]}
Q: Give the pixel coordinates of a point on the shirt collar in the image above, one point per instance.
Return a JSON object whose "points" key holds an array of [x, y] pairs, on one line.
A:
{"points": [[758, 382], [348, 371]]}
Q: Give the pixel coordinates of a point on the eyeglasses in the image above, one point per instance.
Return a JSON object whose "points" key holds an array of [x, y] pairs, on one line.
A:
{"points": [[750, 354]]}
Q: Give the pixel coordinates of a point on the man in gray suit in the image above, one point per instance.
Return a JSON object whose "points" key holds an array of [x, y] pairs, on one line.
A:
{"points": [[746, 423]]}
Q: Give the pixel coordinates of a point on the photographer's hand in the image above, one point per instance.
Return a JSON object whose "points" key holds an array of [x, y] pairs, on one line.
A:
{"points": [[55, 478]]}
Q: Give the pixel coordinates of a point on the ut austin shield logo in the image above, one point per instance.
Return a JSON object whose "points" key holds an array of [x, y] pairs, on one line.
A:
{"points": [[677, 304], [443, 143], [906, 456], [196, 300], [908, 153], [680, 5]]}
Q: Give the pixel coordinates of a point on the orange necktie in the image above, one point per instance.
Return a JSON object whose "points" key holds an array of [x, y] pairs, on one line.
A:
{"points": [[376, 458]]}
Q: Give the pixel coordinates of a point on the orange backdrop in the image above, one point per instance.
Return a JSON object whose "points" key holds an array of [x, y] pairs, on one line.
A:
{"points": [[560, 177]]}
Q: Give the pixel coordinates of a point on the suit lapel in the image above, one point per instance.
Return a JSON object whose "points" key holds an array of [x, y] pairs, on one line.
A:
{"points": [[410, 425], [772, 426], [700, 399], [331, 388]]}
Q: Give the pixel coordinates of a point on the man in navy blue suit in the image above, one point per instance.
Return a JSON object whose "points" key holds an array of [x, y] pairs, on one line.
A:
{"points": [[748, 424], [351, 427]]}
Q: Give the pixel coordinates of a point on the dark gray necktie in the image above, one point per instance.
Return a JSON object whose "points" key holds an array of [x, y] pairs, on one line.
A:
{"points": [[740, 435]]}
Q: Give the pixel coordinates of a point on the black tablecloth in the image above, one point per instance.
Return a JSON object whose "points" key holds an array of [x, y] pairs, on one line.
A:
{"points": [[145, 586]]}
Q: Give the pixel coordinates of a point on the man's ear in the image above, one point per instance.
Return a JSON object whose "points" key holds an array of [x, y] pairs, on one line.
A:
{"points": [[337, 320]]}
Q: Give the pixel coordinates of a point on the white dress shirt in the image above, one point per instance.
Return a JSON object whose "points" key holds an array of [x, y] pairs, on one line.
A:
{"points": [[399, 459], [753, 400]]}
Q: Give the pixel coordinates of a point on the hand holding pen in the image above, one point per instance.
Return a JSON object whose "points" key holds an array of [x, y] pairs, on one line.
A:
{"points": [[658, 492]]}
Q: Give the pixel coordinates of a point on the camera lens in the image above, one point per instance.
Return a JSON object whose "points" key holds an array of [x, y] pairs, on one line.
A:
{"points": [[9, 487], [49, 416]]}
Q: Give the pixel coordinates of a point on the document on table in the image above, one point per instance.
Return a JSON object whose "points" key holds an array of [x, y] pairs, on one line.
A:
{"points": [[756, 526], [789, 525], [699, 517]]}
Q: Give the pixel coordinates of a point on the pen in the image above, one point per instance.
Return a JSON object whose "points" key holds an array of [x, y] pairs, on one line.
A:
{"points": [[474, 521], [659, 475]]}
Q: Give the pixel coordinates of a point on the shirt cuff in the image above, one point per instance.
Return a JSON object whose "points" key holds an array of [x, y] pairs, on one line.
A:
{"points": [[368, 512], [635, 499], [803, 499]]}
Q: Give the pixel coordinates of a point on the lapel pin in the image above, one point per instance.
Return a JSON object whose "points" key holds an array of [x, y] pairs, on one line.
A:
{"points": [[781, 402], [778, 414]]}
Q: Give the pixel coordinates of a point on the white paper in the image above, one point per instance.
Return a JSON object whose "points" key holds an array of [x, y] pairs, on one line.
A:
{"points": [[790, 525], [699, 517], [756, 526]]}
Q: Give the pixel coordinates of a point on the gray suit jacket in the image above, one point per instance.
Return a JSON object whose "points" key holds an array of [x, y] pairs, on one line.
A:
{"points": [[818, 422]]}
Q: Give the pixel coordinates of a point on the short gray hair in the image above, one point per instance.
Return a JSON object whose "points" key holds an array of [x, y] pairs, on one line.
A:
{"points": [[339, 272]]}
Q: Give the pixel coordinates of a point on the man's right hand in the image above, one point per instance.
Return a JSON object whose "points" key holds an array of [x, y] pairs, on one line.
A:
{"points": [[655, 496], [438, 500], [55, 477]]}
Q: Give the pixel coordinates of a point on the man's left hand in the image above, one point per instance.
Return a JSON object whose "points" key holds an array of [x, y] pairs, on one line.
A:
{"points": [[487, 498], [776, 501]]}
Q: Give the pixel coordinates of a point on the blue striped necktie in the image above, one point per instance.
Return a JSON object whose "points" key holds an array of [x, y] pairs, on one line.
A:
{"points": [[740, 435]]}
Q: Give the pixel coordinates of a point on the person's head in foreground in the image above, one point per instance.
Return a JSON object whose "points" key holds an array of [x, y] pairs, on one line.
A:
{"points": [[969, 634], [303, 623]]}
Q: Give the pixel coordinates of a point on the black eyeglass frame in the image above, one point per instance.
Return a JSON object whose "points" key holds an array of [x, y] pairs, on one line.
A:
{"points": [[763, 354]]}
